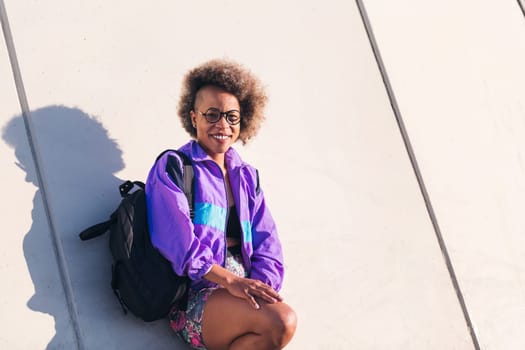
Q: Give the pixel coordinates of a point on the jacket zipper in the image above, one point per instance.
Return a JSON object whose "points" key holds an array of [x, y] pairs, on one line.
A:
{"points": [[227, 213]]}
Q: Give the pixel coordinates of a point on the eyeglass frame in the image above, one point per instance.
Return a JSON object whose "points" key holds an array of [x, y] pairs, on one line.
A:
{"points": [[221, 115]]}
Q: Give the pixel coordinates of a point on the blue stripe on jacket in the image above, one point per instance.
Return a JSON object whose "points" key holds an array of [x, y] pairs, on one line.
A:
{"points": [[211, 215], [247, 231]]}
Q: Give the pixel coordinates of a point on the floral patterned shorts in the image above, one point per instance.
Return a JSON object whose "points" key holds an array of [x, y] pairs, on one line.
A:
{"points": [[188, 323]]}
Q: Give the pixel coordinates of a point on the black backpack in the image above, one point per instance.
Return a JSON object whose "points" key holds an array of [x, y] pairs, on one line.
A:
{"points": [[142, 279]]}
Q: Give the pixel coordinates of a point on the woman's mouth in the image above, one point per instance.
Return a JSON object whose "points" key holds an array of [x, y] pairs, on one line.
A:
{"points": [[220, 137]]}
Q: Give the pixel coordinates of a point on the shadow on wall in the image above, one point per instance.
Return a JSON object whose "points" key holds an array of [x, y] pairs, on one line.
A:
{"points": [[79, 160]]}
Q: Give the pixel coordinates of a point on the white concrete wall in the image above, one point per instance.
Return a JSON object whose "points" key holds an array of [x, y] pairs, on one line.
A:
{"points": [[364, 267], [31, 287], [460, 81]]}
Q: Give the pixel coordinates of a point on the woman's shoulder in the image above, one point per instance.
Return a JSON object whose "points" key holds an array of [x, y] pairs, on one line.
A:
{"points": [[171, 162], [182, 154], [250, 174]]}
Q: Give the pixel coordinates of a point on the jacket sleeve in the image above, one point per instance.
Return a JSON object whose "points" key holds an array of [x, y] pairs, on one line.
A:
{"points": [[267, 258], [169, 222]]}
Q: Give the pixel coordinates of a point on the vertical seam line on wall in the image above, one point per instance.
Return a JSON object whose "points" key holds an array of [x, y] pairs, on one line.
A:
{"points": [[415, 166], [33, 145], [520, 4]]}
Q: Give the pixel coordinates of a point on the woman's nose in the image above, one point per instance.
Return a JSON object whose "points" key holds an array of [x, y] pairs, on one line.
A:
{"points": [[222, 123]]}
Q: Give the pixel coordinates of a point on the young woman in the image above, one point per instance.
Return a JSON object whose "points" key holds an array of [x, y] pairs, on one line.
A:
{"points": [[230, 250]]}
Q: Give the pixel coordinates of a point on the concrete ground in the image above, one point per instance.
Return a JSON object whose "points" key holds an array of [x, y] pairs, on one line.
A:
{"points": [[393, 159]]}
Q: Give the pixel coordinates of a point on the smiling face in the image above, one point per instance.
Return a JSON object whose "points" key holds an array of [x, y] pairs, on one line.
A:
{"points": [[215, 138]]}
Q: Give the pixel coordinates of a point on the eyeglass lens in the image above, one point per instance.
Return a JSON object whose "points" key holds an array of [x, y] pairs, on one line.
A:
{"points": [[213, 115]]}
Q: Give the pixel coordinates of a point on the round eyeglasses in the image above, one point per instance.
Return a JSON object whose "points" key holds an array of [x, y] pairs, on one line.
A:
{"points": [[213, 115]]}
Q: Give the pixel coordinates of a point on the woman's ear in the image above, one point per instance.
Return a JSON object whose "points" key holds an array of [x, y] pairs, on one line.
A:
{"points": [[193, 119]]}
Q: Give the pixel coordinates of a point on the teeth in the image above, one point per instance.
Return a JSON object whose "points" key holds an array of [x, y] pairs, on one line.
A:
{"points": [[220, 137]]}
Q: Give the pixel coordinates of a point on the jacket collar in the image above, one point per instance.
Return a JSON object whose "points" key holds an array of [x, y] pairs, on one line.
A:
{"points": [[198, 154]]}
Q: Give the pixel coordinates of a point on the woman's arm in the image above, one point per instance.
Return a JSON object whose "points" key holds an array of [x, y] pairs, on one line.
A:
{"points": [[244, 288], [267, 258], [171, 228]]}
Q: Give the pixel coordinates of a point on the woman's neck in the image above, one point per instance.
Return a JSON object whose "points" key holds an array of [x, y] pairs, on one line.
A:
{"points": [[218, 158]]}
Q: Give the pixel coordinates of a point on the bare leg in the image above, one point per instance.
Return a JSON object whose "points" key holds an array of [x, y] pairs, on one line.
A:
{"points": [[232, 323]]}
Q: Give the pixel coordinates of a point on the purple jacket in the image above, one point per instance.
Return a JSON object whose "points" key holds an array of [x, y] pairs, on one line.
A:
{"points": [[193, 247]]}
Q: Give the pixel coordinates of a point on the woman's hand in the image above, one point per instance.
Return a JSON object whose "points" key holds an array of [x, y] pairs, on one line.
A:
{"points": [[249, 289], [244, 288]]}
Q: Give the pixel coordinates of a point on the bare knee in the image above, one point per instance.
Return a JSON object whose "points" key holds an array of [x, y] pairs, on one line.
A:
{"points": [[282, 325], [231, 323]]}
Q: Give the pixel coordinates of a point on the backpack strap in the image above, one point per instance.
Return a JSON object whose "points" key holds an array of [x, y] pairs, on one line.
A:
{"points": [[124, 189], [128, 185], [187, 178], [102, 227], [95, 230], [188, 181]]}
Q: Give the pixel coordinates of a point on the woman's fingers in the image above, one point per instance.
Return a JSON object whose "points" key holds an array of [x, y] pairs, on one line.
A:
{"points": [[249, 289], [270, 292], [265, 292], [251, 299], [268, 298]]}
